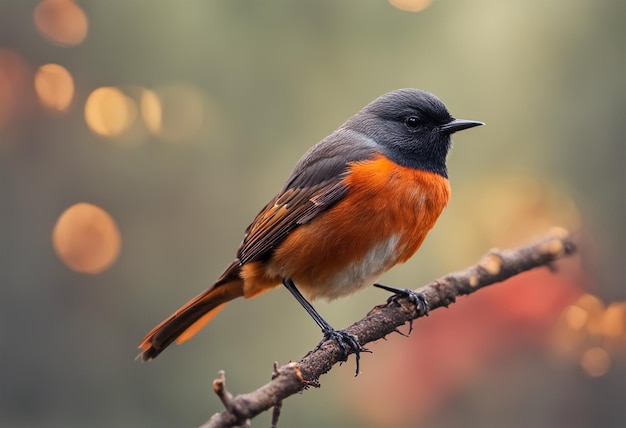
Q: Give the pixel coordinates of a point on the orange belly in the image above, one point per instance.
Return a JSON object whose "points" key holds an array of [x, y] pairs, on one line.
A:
{"points": [[382, 221]]}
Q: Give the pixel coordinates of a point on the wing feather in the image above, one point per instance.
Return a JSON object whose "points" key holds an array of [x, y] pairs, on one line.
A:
{"points": [[316, 184], [284, 213]]}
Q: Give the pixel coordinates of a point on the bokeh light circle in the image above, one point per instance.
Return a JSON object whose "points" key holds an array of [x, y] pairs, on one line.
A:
{"points": [[61, 22], [596, 361], [54, 86], [151, 111], [411, 5], [109, 112], [86, 238]]}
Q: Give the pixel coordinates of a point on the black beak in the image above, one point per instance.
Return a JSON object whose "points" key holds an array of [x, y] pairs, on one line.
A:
{"points": [[458, 125]]}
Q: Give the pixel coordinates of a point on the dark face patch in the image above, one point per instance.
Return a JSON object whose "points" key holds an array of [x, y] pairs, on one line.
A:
{"points": [[406, 126]]}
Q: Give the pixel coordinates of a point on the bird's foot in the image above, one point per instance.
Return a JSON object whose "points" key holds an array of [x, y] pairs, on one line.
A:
{"points": [[347, 342], [418, 299]]}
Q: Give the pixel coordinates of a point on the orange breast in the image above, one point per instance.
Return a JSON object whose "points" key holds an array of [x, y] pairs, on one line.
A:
{"points": [[382, 221]]}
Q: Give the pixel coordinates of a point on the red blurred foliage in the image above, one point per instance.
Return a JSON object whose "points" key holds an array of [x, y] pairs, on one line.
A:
{"points": [[451, 348], [17, 97]]}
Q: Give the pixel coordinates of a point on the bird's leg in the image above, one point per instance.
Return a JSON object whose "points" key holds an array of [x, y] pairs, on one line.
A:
{"points": [[418, 299], [342, 337]]}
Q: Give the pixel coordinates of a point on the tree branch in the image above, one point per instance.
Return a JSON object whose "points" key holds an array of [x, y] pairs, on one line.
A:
{"points": [[495, 266]]}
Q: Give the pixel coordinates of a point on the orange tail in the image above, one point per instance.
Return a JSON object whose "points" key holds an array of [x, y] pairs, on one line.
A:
{"points": [[189, 319]]}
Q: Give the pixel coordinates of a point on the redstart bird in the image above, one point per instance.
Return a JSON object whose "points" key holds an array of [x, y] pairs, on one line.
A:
{"points": [[357, 203]]}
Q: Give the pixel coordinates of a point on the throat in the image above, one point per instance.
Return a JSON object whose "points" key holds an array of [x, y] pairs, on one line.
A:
{"points": [[432, 160]]}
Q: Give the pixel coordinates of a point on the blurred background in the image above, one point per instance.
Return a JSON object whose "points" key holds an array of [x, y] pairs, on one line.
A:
{"points": [[138, 139]]}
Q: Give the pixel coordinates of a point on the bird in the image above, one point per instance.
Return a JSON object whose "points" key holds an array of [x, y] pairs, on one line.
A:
{"points": [[357, 203]]}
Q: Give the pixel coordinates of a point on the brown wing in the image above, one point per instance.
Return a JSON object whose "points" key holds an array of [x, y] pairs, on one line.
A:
{"points": [[315, 184], [288, 210]]}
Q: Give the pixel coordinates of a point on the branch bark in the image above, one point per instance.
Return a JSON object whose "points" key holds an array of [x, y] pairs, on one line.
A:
{"points": [[495, 266]]}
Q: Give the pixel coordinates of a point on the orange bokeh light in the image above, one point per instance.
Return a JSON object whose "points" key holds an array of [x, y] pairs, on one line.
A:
{"points": [[575, 317], [614, 320], [54, 86], [86, 238], [596, 361], [61, 22], [587, 323], [151, 111], [411, 5], [109, 112]]}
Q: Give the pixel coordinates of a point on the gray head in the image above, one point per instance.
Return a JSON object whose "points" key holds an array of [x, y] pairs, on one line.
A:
{"points": [[412, 127]]}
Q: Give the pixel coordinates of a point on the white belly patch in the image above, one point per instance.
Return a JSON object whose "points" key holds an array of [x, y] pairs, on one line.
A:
{"points": [[361, 273]]}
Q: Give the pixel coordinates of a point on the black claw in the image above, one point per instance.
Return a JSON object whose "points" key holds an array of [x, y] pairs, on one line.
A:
{"points": [[418, 299], [344, 338]]}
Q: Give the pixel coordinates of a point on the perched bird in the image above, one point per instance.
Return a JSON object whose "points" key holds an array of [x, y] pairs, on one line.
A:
{"points": [[357, 203]]}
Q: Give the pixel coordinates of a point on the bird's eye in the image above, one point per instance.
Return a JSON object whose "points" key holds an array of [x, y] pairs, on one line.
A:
{"points": [[412, 122]]}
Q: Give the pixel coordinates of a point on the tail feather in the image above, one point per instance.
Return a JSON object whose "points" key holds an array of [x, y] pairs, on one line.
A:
{"points": [[195, 314]]}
